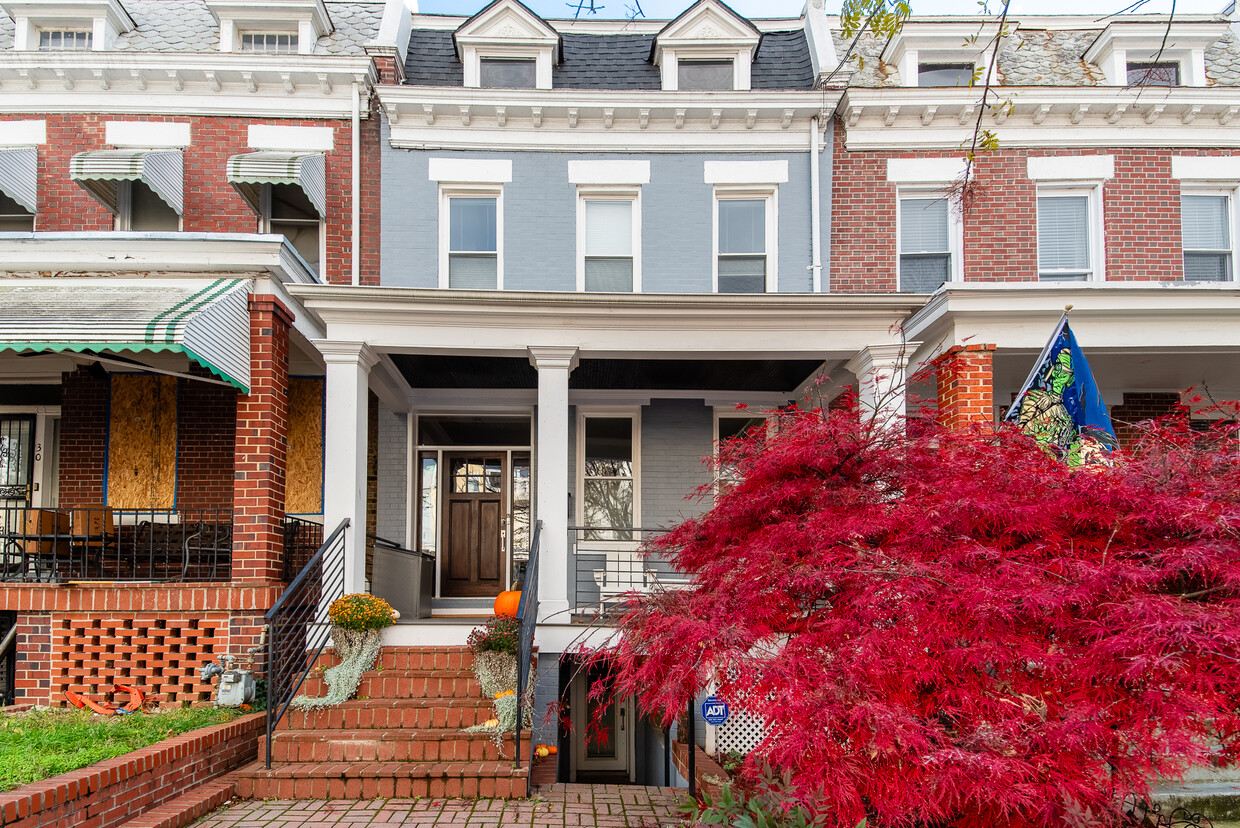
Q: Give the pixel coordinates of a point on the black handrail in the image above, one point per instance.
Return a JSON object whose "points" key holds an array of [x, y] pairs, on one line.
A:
{"points": [[527, 614], [298, 627]]}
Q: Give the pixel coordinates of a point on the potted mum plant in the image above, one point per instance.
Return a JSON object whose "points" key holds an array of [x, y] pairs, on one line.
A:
{"points": [[357, 620]]}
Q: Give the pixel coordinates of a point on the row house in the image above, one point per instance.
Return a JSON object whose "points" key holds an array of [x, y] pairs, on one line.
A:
{"points": [[490, 289]]}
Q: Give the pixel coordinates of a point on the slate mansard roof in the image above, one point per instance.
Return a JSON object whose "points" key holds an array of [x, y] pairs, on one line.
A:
{"points": [[187, 26], [1042, 57], [612, 61]]}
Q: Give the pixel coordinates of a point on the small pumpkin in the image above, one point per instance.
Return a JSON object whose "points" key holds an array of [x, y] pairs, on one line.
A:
{"points": [[491, 723], [542, 751], [507, 602], [552, 750]]}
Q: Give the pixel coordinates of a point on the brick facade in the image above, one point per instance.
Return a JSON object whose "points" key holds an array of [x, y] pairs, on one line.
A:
{"points": [[261, 446], [211, 203], [1140, 207], [83, 437], [966, 391], [206, 427]]}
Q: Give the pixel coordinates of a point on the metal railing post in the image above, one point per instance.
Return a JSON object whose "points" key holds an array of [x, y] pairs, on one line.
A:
{"points": [[692, 745]]}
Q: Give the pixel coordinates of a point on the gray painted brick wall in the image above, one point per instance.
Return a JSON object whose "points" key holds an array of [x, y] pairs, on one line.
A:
{"points": [[540, 219], [393, 474], [676, 435]]}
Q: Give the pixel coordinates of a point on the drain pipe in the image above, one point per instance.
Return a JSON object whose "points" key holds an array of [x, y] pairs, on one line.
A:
{"points": [[357, 187], [815, 206]]}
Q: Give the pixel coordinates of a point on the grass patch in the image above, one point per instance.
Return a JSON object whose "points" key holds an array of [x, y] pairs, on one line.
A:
{"points": [[44, 743]]}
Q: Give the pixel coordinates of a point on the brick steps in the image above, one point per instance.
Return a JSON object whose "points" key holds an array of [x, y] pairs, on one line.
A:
{"points": [[188, 807], [374, 780], [407, 684], [396, 745], [411, 658], [417, 714]]}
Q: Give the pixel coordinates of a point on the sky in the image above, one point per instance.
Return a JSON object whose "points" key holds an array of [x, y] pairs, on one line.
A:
{"points": [[663, 9]]}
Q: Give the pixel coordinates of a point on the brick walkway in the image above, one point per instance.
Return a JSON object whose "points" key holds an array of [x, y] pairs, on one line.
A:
{"points": [[606, 806]]}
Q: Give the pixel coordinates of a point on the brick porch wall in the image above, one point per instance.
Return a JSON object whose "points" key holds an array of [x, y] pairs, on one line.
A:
{"points": [[966, 385]]}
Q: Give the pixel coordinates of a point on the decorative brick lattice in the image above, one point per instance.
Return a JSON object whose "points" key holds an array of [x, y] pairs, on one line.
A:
{"points": [[158, 655]]}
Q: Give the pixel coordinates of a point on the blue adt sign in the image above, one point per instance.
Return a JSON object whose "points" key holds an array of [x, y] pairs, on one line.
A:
{"points": [[714, 711]]}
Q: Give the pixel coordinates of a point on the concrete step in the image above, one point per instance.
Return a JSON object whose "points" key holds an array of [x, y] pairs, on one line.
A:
{"points": [[414, 658], [416, 714], [395, 745], [376, 780], [189, 807], [1217, 800], [406, 684]]}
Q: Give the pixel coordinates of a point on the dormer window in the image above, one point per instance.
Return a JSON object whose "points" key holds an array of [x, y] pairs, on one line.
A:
{"points": [[282, 43], [507, 46], [508, 73], [708, 48], [1139, 53], [945, 74], [705, 75], [1160, 73], [55, 40]]}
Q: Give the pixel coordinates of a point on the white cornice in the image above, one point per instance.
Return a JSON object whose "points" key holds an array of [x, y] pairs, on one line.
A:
{"points": [[581, 120], [498, 322], [901, 118], [183, 84], [152, 253]]}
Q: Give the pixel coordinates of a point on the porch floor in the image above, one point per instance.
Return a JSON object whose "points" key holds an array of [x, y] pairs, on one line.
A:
{"points": [[606, 806]]}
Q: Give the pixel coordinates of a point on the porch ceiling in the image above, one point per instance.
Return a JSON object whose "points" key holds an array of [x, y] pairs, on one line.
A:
{"points": [[438, 371]]}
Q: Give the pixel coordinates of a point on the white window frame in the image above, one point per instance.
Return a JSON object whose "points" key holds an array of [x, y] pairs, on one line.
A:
{"points": [[621, 194], [264, 226], [124, 208], [1096, 235], [447, 192], [955, 231], [584, 413], [540, 54], [1232, 194], [748, 192]]}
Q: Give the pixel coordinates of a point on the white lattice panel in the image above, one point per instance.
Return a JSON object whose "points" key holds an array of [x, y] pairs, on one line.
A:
{"points": [[741, 732]]}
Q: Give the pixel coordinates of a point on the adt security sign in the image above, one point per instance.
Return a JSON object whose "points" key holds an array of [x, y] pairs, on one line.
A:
{"points": [[714, 711]]}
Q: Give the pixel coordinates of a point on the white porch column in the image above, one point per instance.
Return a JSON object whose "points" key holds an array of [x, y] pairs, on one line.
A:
{"points": [[554, 364], [881, 380], [344, 451]]}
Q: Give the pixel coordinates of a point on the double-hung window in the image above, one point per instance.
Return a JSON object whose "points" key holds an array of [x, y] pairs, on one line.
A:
{"points": [[1206, 224], [14, 218], [609, 241], [743, 242], [926, 260], [140, 209], [286, 209], [1069, 238], [473, 242], [607, 448], [732, 425]]}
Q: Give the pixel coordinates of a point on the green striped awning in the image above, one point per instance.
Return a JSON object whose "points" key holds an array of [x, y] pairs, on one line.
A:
{"points": [[307, 170], [161, 170], [206, 320]]}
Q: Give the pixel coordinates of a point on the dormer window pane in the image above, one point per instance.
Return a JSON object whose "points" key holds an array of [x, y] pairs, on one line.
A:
{"points": [[272, 42], [64, 40], [504, 73], [1166, 73], [704, 75], [945, 74]]}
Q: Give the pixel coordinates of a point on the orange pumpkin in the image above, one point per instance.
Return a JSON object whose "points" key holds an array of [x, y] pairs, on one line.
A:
{"points": [[552, 750], [507, 603]]}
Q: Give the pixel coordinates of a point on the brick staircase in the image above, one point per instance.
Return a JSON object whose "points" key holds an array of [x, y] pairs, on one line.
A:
{"points": [[400, 737]]}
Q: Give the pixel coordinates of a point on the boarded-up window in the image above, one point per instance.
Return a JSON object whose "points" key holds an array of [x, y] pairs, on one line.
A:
{"points": [[142, 442], [304, 483]]}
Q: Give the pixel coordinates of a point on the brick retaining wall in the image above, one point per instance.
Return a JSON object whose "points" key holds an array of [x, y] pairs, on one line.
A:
{"points": [[112, 792]]}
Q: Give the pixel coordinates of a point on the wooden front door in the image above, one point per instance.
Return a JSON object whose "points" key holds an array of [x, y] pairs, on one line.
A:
{"points": [[473, 524]]}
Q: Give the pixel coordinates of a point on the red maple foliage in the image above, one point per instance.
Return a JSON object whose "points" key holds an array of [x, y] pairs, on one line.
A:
{"points": [[953, 628]]}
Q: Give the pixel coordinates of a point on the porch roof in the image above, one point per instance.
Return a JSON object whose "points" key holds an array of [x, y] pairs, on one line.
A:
{"points": [[207, 320]]}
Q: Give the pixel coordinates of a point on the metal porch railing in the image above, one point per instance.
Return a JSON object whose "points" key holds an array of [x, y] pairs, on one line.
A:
{"points": [[98, 543], [527, 614], [298, 627], [609, 563]]}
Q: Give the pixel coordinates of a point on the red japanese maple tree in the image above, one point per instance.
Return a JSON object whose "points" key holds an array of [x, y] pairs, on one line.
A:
{"points": [[953, 628]]}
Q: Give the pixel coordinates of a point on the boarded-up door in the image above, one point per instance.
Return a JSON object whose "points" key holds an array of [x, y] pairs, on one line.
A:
{"points": [[474, 544]]}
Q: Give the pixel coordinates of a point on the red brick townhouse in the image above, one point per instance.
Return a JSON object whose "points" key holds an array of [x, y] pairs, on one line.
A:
{"points": [[167, 169], [1113, 189]]}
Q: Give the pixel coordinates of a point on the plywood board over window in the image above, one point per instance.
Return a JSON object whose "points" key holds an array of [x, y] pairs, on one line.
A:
{"points": [[304, 481], [142, 442]]}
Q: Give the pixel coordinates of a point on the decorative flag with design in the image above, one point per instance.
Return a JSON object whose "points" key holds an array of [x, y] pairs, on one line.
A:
{"points": [[1060, 406]]}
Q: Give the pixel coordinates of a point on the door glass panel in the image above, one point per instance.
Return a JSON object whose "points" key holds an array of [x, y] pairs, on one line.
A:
{"points": [[15, 459], [475, 475], [521, 506], [430, 500]]}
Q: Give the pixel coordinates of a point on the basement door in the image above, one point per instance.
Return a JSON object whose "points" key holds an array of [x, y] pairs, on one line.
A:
{"points": [[474, 524]]}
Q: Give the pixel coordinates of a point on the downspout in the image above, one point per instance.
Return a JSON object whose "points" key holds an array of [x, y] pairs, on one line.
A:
{"points": [[357, 184], [815, 207]]}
